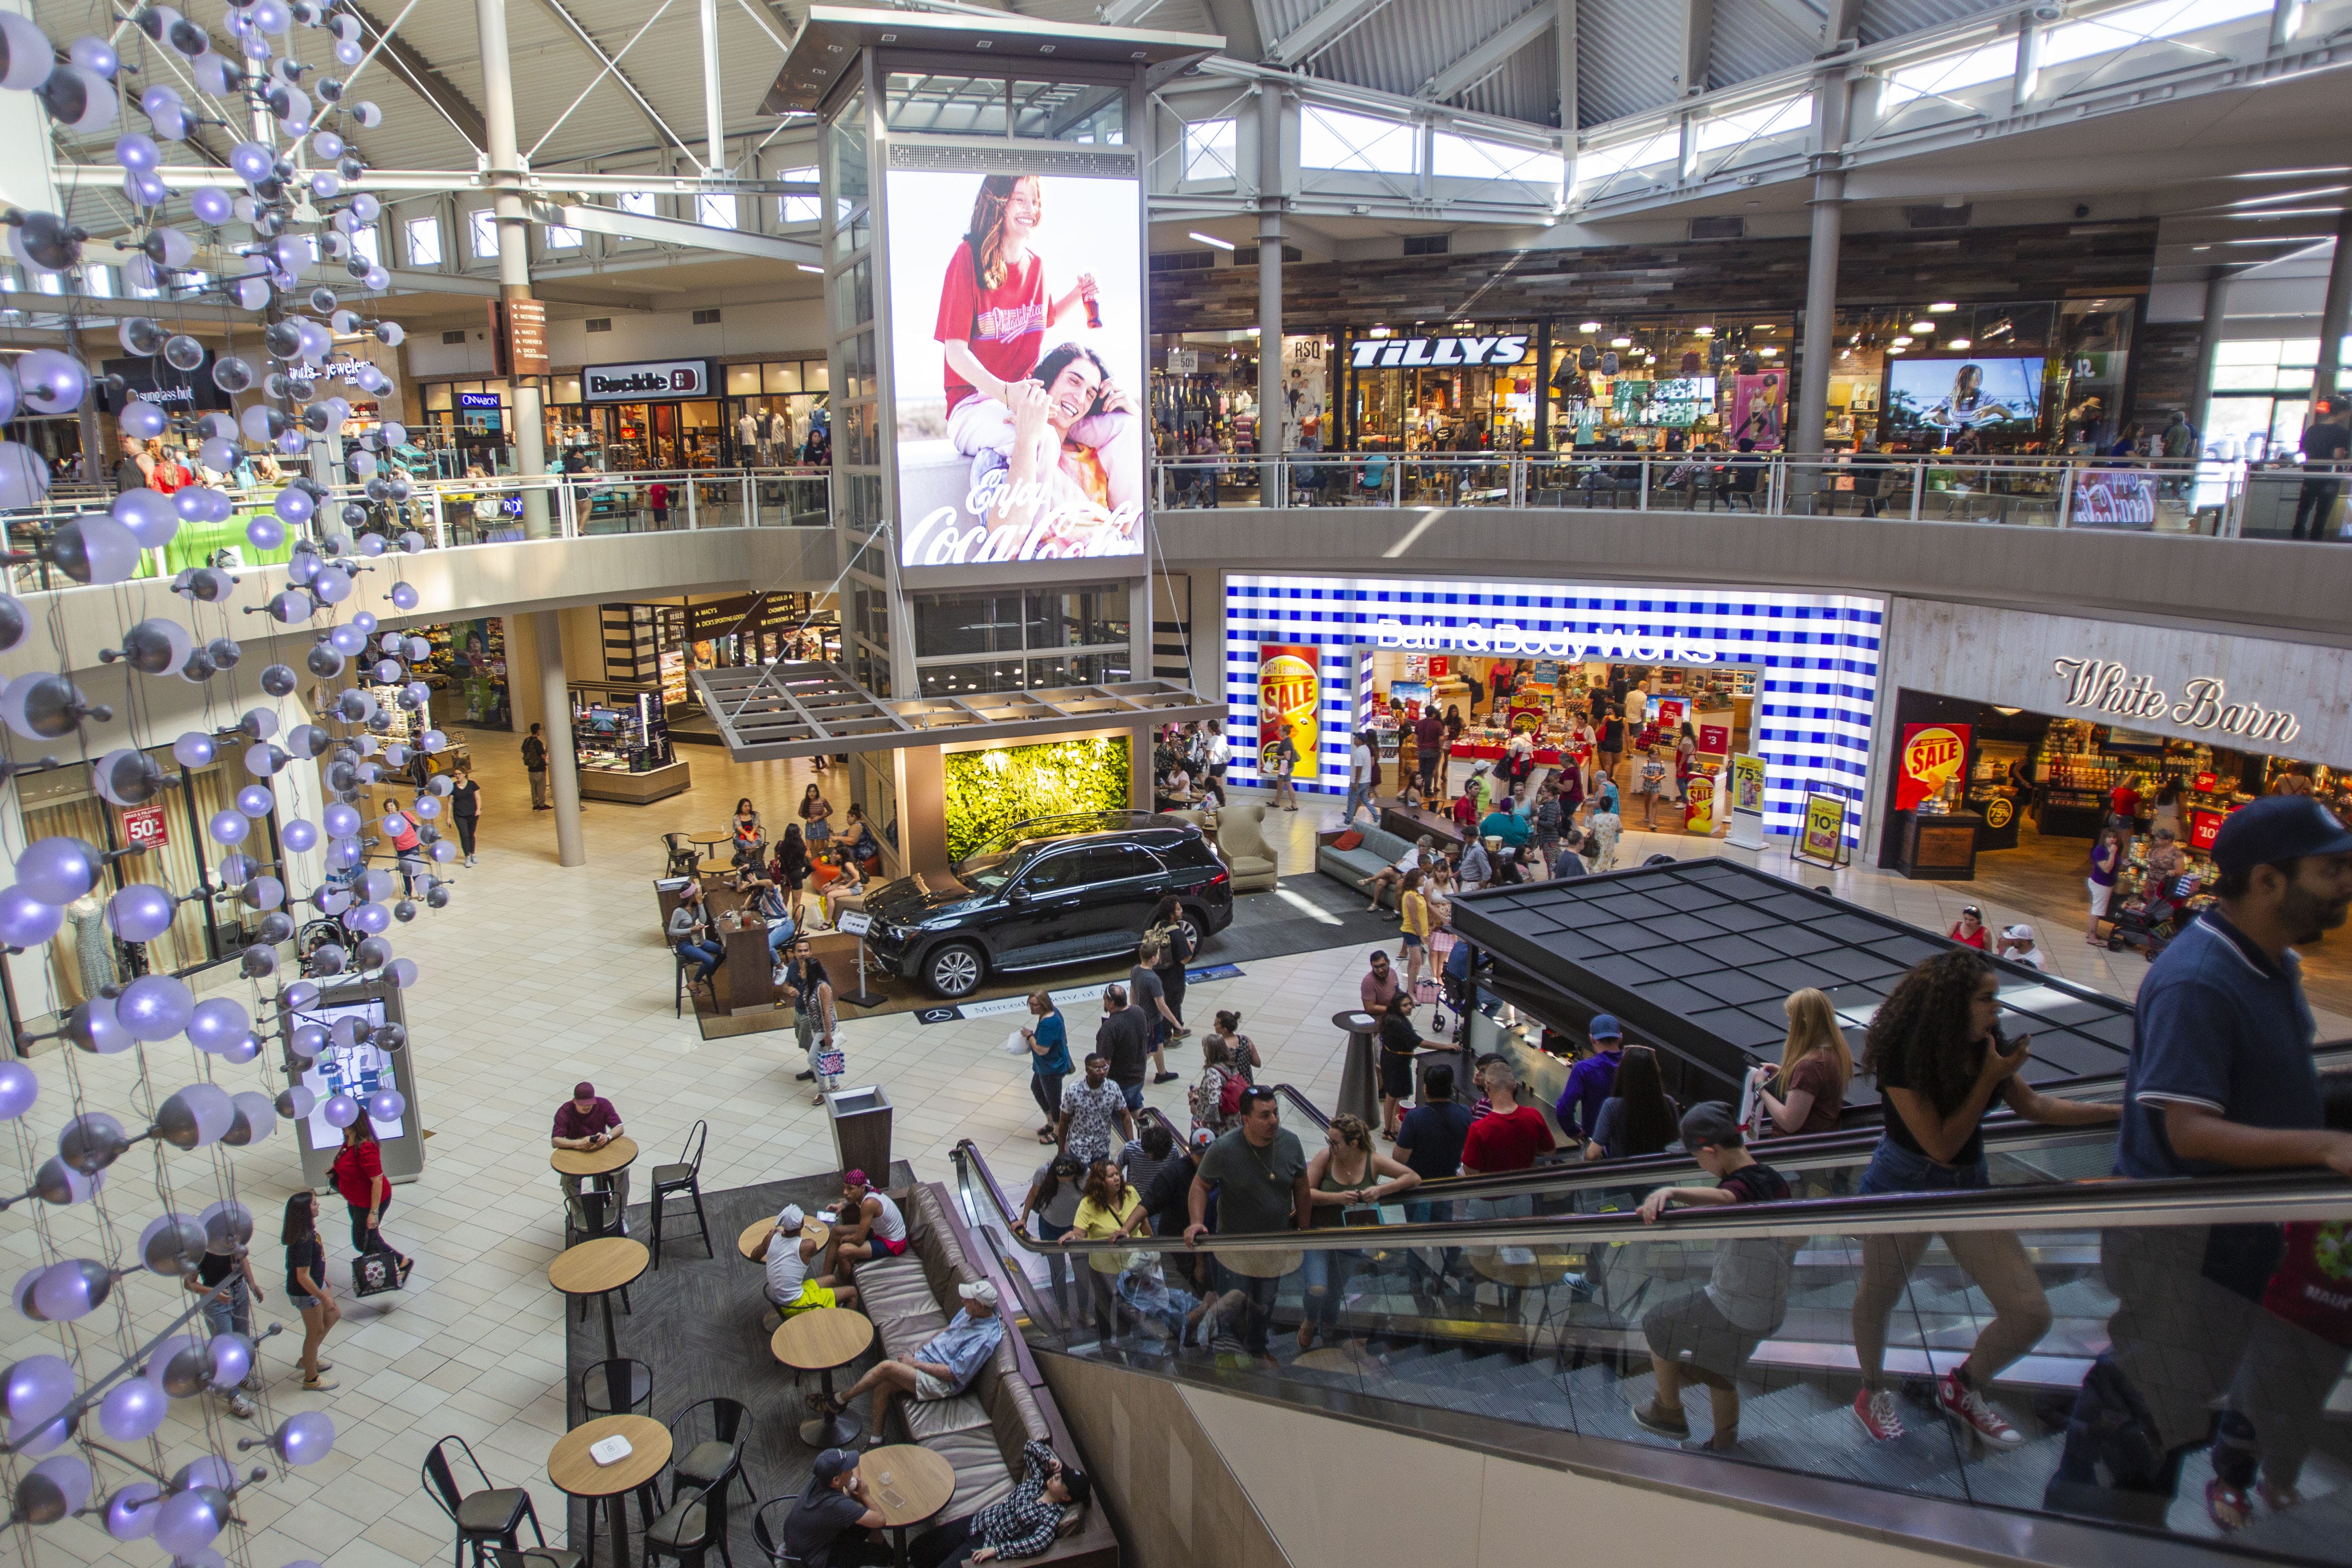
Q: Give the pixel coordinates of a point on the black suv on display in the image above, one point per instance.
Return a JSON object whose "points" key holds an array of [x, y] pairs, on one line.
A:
{"points": [[1057, 891]]}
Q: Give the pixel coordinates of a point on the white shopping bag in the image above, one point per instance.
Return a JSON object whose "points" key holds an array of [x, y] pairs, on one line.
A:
{"points": [[1017, 1044]]}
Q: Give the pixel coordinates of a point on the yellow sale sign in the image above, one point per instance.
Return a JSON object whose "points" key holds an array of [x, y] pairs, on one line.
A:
{"points": [[1289, 700], [1698, 804], [1822, 836]]}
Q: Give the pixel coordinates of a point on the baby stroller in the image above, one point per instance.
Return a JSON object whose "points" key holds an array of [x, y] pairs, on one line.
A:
{"points": [[2153, 919]]}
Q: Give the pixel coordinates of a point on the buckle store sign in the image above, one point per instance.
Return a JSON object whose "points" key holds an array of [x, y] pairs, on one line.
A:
{"points": [[1383, 353], [638, 382], [2107, 686]]}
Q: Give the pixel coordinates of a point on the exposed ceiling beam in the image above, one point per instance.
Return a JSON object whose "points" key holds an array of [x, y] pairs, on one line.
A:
{"points": [[1489, 57], [612, 67], [672, 231], [1237, 20], [1695, 48], [426, 77], [1320, 31]]}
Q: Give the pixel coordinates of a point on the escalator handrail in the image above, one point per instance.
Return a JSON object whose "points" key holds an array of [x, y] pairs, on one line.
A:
{"points": [[1305, 1106], [2247, 1199]]}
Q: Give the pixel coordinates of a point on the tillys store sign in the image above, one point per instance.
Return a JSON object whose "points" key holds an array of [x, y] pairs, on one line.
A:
{"points": [[1372, 353], [2107, 686]]}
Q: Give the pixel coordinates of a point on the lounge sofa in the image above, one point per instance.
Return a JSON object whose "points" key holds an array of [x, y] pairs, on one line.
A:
{"points": [[981, 1432], [1379, 850]]}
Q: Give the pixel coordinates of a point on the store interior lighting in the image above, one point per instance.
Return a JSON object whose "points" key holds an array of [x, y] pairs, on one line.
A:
{"points": [[1957, 343], [1940, 307], [1211, 240], [1620, 342], [1588, 326], [1922, 326]]}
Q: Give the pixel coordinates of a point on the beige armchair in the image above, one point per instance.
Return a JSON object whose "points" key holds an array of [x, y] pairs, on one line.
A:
{"points": [[1241, 841]]}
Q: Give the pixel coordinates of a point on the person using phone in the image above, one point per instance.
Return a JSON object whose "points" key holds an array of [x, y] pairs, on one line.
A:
{"points": [[587, 1121], [1937, 1053]]}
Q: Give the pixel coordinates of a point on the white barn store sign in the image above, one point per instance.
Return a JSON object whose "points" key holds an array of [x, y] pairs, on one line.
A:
{"points": [[2107, 686]]}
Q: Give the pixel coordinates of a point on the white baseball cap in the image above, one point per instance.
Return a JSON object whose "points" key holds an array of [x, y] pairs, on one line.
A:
{"points": [[980, 1290], [2021, 933]]}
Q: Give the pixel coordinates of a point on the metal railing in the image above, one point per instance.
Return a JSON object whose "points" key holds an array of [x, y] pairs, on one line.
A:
{"points": [[446, 513], [2204, 496]]}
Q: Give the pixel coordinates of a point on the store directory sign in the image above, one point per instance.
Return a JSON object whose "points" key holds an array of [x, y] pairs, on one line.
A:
{"points": [[1016, 310]]}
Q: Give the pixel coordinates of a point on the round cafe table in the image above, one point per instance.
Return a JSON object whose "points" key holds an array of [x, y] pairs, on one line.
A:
{"points": [[598, 1268], [575, 1164], [1359, 1074], [748, 1243], [576, 1473], [906, 1483], [819, 1341]]}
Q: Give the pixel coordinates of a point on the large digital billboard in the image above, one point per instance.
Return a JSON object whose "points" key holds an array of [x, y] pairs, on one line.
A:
{"points": [[1950, 396], [1016, 310]]}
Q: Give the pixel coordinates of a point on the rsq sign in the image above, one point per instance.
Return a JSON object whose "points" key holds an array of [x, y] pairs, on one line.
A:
{"points": [[2106, 686]]}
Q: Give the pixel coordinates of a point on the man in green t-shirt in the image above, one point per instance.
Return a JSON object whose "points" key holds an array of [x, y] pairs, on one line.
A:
{"points": [[1259, 1174]]}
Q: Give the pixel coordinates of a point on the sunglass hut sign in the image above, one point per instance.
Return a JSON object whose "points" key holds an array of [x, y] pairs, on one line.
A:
{"points": [[2107, 686]]}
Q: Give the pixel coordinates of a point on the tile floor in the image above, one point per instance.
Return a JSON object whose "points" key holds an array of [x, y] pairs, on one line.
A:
{"points": [[534, 978]]}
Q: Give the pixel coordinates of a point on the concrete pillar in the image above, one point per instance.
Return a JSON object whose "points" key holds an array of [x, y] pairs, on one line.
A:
{"points": [[922, 809], [2335, 314], [2209, 346], [562, 764], [1820, 342], [1139, 762], [1269, 288], [514, 259]]}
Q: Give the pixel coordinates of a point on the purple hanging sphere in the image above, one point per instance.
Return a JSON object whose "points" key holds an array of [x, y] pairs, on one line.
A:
{"points": [[341, 1110], [141, 912], [304, 1438], [386, 1105], [228, 827], [134, 1409], [256, 801]]}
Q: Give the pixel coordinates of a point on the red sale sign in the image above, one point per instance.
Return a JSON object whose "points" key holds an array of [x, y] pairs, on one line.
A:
{"points": [[1714, 739], [1439, 666], [2203, 827], [147, 825]]}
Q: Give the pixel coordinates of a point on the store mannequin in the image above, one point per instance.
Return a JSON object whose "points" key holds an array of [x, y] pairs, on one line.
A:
{"points": [[768, 437], [747, 437], [93, 944]]}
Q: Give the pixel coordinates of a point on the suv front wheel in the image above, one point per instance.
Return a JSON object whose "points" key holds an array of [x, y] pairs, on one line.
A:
{"points": [[955, 969]]}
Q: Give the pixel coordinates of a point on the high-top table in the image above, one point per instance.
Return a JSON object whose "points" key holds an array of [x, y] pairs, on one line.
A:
{"points": [[576, 1473], [820, 1341], [1359, 1074], [616, 1155], [597, 1268]]}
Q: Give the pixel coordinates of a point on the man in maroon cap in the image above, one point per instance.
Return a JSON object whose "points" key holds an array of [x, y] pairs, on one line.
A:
{"points": [[586, 1122]]}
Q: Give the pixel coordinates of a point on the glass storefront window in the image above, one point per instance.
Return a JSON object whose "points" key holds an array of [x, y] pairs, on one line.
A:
{"points": [[784, 377], [743, 379], [1070, 111], [564, 389], [965, 624], [438, 398], [845, 144], [815, 376]]}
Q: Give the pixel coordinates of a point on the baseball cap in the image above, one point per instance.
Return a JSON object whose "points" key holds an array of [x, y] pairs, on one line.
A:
{"points": [[834, 1462], [2019, 933], [2278, 827], [1604, 1026], [583, 1090], [981, 1291], [854, 1179], [792, 1218]]}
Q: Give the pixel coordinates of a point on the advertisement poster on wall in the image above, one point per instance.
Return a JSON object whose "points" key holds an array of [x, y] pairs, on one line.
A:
{"points": [[1305, 376], [1290, 699], [1930, 757], [1016, 303], [1756, 409]]}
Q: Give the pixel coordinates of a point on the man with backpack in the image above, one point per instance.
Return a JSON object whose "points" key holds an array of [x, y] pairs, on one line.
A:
{"points": [[534, 763]]}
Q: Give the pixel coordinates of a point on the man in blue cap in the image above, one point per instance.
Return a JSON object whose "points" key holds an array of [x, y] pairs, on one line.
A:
{"points": [[1591, 1081], [2220, 1079], [834, 1524]]}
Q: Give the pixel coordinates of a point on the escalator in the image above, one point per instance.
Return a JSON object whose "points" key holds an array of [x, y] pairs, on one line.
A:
{"points": [[1527, 1326]]}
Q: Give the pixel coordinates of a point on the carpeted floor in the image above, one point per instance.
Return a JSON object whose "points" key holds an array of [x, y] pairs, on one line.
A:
{"points": [[696, 1324]]}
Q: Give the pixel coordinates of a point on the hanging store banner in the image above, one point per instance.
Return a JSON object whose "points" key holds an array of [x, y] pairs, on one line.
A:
{"points": [[1289, 700], [1930, 757], [1756, 409]]}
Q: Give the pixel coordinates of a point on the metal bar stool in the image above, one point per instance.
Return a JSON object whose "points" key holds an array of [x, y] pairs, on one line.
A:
{"points": [[686, 1177]]}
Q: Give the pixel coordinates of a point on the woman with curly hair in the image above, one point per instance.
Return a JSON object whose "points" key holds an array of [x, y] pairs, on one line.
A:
{"points": [[1937, 1053]]}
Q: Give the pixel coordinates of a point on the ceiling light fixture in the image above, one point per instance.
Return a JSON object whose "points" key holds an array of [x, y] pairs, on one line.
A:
{"points": [[807, 267], [1588, 326], [1955, 342], [1620, 342], [1940, 306], [1702, 331], [1211, 240], [1922, 326]]}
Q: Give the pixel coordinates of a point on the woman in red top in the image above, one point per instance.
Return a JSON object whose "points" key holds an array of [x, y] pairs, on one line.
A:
{"points": [[1969, 931], [358, 1176]]}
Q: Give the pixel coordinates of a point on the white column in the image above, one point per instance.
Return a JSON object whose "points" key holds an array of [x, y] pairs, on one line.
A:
{"points": [[563, 765], [514, 249]]}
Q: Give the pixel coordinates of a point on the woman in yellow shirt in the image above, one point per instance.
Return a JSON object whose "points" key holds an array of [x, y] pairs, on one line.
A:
{"points": [[1109, 1209], [1413, 909]]}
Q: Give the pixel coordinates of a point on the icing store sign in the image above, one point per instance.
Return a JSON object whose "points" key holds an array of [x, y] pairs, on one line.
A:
{"points": [[1384, 352], [2107, 687], [1615, 643]]}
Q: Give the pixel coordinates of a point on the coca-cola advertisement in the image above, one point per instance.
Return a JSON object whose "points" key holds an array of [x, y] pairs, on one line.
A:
{"points": [[1016, 309]]}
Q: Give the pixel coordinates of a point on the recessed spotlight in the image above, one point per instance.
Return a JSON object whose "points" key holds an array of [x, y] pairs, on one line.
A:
{"points": [[1769, 352], [1766, 327], [1382, 332], [1702, 331], [1211, 240], [1940, 306], [1903, 343], [1957, 343], [1922, 326]]}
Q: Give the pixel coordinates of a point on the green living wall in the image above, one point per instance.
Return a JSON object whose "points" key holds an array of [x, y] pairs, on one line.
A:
{"points": [[988, 792]]}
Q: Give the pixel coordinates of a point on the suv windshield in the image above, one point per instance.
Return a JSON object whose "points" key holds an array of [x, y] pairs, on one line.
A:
{"points": [[987, 875]]}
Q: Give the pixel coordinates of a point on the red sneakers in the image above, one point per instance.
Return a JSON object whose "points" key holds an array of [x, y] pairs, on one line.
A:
{"points": [[1876, 1413], [1967, 1406]]}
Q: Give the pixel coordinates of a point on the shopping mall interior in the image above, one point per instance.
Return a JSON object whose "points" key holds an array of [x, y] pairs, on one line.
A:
{"points": [[1636, 644]]}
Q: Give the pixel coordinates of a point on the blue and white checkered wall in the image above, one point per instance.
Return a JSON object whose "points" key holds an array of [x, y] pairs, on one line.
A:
{"points": [[1817, 656]]}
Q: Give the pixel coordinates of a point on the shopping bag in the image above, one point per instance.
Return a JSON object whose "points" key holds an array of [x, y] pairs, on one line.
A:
{"points": [[832, 1063], [1017, 1044], [376, 1270]]}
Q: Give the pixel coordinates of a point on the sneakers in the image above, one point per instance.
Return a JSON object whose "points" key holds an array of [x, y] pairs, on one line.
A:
{"points": [[318, 1385], [1966, 1405], [1165, 1077], [470, 860], [1876, 1413], [1665, 1423], [241, 1406], [252, 1384]]}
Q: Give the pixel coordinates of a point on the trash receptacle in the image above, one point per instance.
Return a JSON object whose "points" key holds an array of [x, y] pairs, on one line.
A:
{"points": [[861, 1131]]}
